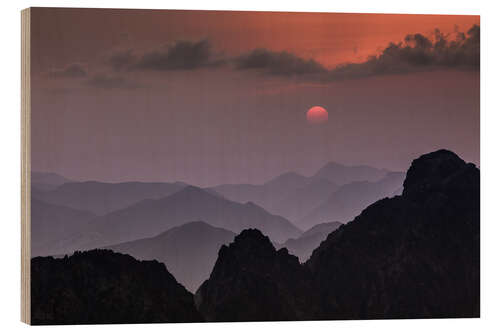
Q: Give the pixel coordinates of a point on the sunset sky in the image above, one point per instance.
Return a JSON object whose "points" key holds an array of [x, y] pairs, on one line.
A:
{"points": [[212, 97]]}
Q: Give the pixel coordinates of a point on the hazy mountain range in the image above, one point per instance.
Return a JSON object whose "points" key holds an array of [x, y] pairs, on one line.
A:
{"points": [[411, 256], [188, 251], [46, 180], [113, 213], [266, 195], [101, 198], [151, 217], [303, 246], [305, 201], [415, 255], [53, 224], [350, 199], [343, 174]]}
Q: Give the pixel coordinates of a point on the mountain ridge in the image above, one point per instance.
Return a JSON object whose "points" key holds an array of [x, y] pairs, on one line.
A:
{"points": [[150, 217], [303, 246], [350, 199], [51, 224], [188, 251], [103, 287], [411, 256], [101, 197]]}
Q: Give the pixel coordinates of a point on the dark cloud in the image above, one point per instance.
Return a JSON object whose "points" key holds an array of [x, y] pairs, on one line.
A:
{"points": [[415, 53], [122, 60], [183, 55], [278, 63], [106, 81], [74, 70], [418, 53]]}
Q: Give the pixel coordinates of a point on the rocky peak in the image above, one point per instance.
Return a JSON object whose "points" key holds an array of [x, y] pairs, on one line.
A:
{"points": [[250, 248], [430, 171], [410, 256], [270, 284]]}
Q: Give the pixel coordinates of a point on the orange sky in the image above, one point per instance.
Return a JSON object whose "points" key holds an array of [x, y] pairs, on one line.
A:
{"points": [[330, 38]]}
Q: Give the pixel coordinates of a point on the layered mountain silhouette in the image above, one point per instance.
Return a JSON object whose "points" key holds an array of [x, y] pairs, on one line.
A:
{"points": [[303, 246], [101, 198], [266, 195], [300, 201], [188, 251], [151, 217], [350, 199], [410, 256], [271, 193], [44, 181], [102, 287], [342, 174], [414, 255], [304, 200], [51, 225], [251, 281]]}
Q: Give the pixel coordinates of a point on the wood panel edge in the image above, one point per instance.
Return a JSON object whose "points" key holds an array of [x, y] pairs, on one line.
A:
{"points": [[25, 166]]}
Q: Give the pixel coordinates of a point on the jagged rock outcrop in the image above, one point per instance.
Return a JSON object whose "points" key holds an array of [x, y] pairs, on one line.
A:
{"points": [[412, 256], [103, 287], [251, 281]]}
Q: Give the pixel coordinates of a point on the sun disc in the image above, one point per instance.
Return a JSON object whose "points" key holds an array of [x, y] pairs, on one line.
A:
{"points": [[317, 115]]}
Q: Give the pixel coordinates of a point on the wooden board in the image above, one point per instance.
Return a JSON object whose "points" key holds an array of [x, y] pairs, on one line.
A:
{"points": [[25, 166]]}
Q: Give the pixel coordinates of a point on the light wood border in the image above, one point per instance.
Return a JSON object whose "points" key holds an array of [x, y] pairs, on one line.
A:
{"points": [[25, 166]]}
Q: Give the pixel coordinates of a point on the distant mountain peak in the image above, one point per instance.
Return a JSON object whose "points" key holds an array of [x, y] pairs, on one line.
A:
{"points": [[190, 226], [329, 166], [192, 190], [403, 257], [342, 174], [290, 176], [332, 164], [194, 223], [47, 180], [256, 207], [189, 251]]}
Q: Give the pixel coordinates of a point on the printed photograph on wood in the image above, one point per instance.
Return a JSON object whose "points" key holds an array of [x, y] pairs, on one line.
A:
{"points": [[207, 166]]}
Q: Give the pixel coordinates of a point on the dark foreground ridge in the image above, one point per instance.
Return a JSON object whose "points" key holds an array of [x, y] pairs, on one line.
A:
{"points": [[103, 287], [411, 256], [251, 281]]}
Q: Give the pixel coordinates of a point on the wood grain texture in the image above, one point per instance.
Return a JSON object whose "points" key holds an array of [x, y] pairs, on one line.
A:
{"points": [[25, 165]]}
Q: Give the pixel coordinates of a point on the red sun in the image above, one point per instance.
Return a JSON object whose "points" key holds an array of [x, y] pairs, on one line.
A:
{"points": [[317, 115]]}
